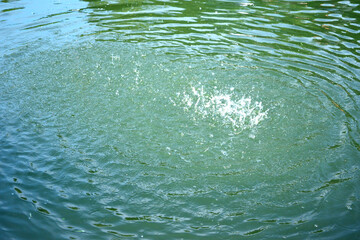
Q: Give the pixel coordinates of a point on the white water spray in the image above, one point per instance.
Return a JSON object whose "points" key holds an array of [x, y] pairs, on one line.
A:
{"points": [[240, 113]]}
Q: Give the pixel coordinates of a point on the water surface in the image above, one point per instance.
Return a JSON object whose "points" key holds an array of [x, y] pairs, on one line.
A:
{"points": [[179, 119]]}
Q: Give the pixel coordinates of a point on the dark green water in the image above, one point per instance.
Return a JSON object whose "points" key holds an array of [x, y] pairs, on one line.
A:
{"points": [[179, 119]]}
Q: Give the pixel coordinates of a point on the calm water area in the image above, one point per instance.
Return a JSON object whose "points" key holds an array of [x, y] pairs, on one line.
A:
{"points": [[174, 119]]}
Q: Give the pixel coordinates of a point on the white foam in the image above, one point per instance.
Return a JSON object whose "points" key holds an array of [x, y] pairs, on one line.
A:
{"points": [[241, 112]]}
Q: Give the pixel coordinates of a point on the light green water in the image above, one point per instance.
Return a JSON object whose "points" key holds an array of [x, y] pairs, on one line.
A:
{"points": [[179, 120]]}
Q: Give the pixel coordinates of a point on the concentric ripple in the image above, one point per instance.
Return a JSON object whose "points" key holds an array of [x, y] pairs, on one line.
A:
{"points": [[179, 119]]}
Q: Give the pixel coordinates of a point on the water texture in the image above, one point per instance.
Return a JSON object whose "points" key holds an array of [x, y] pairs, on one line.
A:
{"points": [[131, 119]]}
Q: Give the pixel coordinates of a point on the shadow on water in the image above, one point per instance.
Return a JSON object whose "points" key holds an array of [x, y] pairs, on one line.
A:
{"points": [[258, 26]]}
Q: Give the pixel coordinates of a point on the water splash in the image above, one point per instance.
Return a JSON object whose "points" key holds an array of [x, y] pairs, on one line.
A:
{"points": [[240, 113]]}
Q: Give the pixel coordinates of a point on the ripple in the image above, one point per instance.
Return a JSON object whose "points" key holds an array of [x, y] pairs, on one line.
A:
{"points": [[222, 119]]}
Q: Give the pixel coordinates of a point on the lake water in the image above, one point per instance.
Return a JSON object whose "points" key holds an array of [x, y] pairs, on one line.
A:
{"points": [[166, 119]]}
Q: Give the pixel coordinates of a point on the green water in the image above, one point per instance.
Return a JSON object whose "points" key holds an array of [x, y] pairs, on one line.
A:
{"points": [[131, 119]]}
